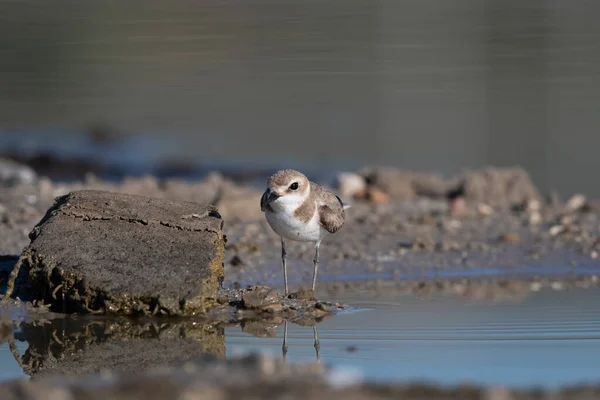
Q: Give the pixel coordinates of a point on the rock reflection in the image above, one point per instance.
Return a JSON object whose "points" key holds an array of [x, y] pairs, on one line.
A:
{"points": [[76, 346]]}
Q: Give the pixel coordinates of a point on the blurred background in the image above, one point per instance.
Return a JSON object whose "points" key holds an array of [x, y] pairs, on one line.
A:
{"points": [[433, 85]]}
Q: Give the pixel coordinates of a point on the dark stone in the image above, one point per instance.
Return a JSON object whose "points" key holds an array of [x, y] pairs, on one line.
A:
{"points": [[236, 261]]}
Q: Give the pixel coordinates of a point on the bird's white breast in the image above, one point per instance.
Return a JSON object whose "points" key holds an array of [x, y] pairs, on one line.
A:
{"points": [[288, 226]]}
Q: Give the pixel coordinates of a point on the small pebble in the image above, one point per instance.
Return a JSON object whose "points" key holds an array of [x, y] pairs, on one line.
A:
{"points": [[260, 297], [535, 218], [458, 207], [31, 199], [236, 261], [377, 196], [576, 202], [273, 308], [327, 307], [498, 393], [485, 209], [536, 286], [303, 294], [557, 229], [534, 205], [510, 237], [351, 185]]}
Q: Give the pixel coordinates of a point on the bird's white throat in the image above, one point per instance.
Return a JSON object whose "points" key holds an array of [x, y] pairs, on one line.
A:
{"points": [[289, 202]]}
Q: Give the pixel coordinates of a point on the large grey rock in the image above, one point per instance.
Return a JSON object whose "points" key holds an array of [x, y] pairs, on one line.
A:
{"points": [[500, 187], [106, 252], [394, 182], [399, 184]]}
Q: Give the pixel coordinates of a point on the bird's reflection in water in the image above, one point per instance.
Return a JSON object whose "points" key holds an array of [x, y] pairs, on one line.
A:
{"points": [[317, 345]]}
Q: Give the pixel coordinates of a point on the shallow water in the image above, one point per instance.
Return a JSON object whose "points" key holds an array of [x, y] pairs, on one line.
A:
{"points": [[547, 339]]}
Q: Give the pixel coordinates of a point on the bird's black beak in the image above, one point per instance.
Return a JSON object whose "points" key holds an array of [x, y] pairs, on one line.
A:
{"points": [[272, 196]]}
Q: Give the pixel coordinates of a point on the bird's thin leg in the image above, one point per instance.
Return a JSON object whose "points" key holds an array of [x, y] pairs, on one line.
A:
{"points": [[284, 347], [283, 257], [317, 344], [315, 266]]}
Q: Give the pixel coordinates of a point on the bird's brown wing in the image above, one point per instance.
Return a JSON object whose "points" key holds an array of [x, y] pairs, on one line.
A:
{"points": [[330, 220], [331, 209]]}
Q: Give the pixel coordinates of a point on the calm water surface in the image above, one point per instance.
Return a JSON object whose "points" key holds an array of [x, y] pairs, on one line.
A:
{"points": [[547, 339], [433, 85]]}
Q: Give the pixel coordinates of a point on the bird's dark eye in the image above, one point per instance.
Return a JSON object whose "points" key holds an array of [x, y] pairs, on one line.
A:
{"points": [[294, 186]]}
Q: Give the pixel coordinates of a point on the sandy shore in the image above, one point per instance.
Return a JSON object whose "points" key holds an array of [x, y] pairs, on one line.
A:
{"points": [[485, 234]]}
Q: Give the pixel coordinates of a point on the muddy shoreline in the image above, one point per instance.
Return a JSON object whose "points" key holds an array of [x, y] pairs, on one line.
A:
{"points": [[423, 231], [485, 235]]}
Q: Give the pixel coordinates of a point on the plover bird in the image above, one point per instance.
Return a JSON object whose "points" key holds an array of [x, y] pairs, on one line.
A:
{"points": [[300, 210]]}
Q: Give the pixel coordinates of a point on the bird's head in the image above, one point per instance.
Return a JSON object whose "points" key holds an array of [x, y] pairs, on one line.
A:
{"points": [[286, 189]]}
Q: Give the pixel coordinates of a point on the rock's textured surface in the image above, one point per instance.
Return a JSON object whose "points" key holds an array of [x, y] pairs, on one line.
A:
{"points": [[104, 252]]}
